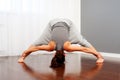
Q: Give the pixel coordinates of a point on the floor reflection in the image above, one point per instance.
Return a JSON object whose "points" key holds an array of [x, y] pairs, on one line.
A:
{"points": [[77, 67], [59, 73], [91, 73]]}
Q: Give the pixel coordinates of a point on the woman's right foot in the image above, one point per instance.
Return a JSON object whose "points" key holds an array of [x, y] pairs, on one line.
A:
{"points": [[20, 60]]}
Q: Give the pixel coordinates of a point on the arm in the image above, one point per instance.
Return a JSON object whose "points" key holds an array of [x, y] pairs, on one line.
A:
{"points": [[92, 48], [88, 45], [84, 42]]}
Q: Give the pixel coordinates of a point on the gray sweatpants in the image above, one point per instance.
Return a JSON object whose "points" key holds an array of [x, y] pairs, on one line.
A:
{"points": [[60, 35]]}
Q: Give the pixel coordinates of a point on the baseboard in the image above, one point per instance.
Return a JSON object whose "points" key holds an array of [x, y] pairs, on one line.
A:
{"points": [[116, 55]]}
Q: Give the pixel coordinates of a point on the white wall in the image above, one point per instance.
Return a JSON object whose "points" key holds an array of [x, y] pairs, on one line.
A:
{"points": [[22, 21]]}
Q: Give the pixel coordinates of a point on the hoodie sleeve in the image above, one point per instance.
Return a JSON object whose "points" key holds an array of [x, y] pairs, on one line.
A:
{"points": [[76, 37], [84, 42]]}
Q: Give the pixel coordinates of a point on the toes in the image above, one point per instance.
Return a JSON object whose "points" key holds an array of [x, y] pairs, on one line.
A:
{"points": [[20, 60], [100, 61]]}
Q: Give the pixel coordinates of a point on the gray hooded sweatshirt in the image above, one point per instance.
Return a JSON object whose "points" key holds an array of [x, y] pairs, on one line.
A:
{"points": [[60, 31]]}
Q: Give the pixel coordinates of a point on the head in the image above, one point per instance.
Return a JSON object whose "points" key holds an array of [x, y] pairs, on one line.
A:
{"points": [[58, 60]]}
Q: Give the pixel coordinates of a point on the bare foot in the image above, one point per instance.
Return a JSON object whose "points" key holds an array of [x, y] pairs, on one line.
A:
{"points": [[100, 60], [20, 60]]}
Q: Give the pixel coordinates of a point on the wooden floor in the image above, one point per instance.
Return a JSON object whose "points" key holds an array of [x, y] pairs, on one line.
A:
{"points": [[77, 67]]}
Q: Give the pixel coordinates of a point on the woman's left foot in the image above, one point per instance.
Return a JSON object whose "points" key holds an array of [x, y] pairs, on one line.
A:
{"points": [[100, 60]]}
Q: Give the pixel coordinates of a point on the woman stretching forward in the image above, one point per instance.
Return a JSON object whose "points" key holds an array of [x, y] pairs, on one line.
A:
{"points": [[59, 35]]}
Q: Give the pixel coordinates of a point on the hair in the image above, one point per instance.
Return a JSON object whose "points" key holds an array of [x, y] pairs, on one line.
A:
{"points": [[58, 60]]}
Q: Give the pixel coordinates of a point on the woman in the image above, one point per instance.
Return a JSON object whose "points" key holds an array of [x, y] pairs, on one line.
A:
{"points": [[59, 35]]}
